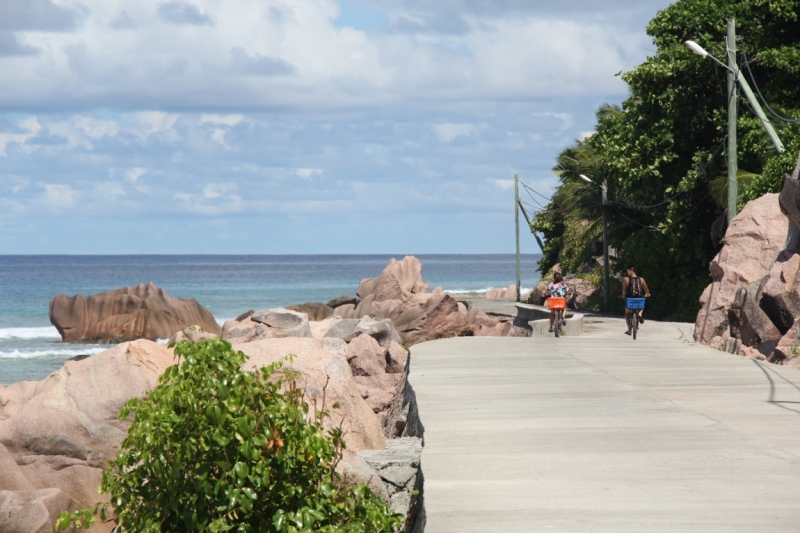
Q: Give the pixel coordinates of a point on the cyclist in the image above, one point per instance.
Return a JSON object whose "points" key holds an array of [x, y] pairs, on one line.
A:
{"points": [[634, 287], [556, 289]]}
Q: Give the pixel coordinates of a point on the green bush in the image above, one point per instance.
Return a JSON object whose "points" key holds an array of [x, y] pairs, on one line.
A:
{"points": [[216, 448]]}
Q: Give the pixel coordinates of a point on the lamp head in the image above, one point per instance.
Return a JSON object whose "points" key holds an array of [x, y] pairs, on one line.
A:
{"points": [[586, 179], [696, 48]]}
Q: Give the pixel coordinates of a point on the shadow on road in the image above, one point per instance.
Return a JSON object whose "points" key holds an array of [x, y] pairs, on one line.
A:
{"points": [[780, 403]]}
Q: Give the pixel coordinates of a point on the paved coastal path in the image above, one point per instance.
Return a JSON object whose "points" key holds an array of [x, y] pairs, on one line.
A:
{"points": [[602, 433]]}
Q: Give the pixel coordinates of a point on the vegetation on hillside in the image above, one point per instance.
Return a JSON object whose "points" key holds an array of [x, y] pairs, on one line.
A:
{"points": [[663, 151]]}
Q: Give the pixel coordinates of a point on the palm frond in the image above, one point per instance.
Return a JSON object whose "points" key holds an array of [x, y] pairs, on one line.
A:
{"points": [[718, 187]]}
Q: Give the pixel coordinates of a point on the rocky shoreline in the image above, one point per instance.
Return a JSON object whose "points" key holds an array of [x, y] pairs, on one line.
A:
{"points": [[56, 435]]}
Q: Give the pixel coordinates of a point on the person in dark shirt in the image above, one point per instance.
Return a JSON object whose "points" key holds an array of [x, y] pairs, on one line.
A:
{"points": [[634, 287]]}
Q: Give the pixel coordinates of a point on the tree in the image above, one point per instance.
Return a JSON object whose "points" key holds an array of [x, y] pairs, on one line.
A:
{"points": [[662, 151]]}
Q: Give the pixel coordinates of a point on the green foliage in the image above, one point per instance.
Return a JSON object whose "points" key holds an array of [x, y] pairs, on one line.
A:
{"points": [[216, 448], [663, 149], [771, 179], [571, 221]]}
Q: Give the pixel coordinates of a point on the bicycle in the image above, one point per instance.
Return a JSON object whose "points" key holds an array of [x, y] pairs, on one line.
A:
{"points": [[635, 305], [559, 305]]}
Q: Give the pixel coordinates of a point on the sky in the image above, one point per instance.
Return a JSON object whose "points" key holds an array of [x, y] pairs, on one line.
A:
{"points": [[295, 126]]}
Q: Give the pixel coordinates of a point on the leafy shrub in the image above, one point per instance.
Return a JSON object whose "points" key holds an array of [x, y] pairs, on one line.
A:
{"points": [[216, 448], [771, 179]]}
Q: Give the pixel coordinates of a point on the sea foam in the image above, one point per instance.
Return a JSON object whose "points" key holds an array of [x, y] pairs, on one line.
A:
{"points": [[68, 352], [47, 332]]}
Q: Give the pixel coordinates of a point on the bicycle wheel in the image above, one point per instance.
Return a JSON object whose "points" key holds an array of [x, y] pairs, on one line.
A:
{"points": [[635, 323], [558, 324]]}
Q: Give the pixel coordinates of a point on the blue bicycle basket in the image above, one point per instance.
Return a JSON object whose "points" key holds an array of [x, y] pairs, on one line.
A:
{"points": [[634, 303]]}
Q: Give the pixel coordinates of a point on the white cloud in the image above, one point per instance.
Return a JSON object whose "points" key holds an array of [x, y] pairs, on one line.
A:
{"points": [[216, 199], [221, 120], [244, 56], [110, 189], [133, 174], [226, 121], [215, 190], [448, 132], [502, 184], [152, 122], [30, 127], [59, 196], [306, 173], [95, 128]]}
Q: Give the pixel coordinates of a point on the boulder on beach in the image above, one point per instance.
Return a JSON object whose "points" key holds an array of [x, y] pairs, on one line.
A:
{"points": [[143, 311]]}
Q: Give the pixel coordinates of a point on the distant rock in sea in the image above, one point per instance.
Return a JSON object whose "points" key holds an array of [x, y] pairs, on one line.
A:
{"points": [[400, 295], [143, 311]]}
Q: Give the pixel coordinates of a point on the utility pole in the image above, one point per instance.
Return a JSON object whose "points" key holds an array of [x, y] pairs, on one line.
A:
{"points": [[606, 306], [733, 165], [516, 222]]}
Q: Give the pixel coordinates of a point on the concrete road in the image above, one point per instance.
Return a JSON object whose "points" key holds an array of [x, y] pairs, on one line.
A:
{"points": [[602, 433]]}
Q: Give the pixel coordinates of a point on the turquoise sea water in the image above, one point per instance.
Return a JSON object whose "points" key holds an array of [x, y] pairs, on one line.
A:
{"points": [[30, 347]]}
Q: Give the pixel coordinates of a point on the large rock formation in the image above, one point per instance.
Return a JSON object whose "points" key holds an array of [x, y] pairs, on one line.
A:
{"points": [[400, 295], [371, 348], [140, 312], [753, 305], [56, 435], [753, 241]]}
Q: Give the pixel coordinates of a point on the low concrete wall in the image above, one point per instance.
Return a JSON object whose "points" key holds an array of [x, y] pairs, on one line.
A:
{"points": [[574, 327], [529, 314]]}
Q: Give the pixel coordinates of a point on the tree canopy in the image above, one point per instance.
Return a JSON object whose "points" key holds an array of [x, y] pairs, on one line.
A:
{"points": [[662, 152]]}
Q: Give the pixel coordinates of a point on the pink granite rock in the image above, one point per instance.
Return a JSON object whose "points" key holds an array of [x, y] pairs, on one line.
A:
{"points": [[752, 242], [142, 311], [324, 373], [396, 358], [378, 390], [59, 432], [365, 356]]}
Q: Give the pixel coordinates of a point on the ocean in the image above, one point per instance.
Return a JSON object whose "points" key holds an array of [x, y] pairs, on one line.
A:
{"points": [[227, 285]]}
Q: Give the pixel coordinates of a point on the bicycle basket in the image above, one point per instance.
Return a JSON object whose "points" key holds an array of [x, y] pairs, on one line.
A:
{"points": [[556, 304], [634, 303]]}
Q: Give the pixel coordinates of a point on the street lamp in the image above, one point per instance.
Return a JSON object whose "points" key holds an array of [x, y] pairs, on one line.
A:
{"points": [[733, 77], [604, 188]]}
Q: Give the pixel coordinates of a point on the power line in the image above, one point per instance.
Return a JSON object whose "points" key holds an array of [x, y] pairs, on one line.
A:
{"points": [[656, 228], [529, 205], [540, 194], [761, 96]]}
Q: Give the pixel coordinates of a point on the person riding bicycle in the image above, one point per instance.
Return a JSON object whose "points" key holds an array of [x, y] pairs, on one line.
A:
{"points": [[634, 286], [556, 289]]}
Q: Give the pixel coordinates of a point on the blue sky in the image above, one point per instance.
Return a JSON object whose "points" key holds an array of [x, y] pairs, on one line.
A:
{"points": [[305, 126]]}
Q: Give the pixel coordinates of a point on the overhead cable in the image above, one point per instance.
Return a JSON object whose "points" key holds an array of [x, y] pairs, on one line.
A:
{"points": [[761, 96]]}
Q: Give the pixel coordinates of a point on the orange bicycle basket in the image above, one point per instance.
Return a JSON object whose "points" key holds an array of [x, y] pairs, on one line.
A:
{"points": [[557, 304]]}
